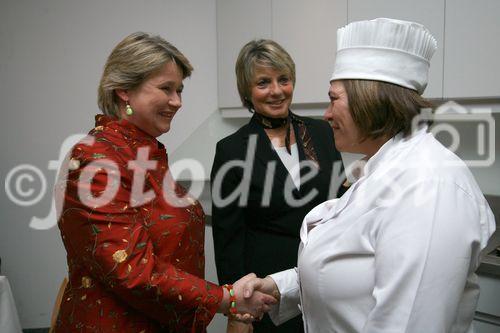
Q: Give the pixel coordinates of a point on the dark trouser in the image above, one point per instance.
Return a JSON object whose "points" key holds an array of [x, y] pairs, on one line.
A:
{"points": [[294, 325]]}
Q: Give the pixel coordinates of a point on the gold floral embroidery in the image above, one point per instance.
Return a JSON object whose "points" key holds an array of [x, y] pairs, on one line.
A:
{"points": [[120, 256], [86, 282], [100, 305], [98, 156]]}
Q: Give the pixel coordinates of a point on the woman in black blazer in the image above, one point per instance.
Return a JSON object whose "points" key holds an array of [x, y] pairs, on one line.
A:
{"points": [[268, 175]]}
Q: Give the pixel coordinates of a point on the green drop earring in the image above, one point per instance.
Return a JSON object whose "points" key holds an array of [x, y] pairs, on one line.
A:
{"points": [[128, 109]]}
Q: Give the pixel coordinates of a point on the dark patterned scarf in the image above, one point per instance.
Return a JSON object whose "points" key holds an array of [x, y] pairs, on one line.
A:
{"points": [[303, 135]]}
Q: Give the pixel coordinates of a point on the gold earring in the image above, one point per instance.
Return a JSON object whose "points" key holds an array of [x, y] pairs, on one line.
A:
{"points": [[128, 109]]}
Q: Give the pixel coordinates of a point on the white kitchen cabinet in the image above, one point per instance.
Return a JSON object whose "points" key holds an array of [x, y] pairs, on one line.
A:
{"points": [[482, 327], [489, 302], [464, 66], [430, 13], [471, 65], [487, 319], [308, 31], [238, 22]]}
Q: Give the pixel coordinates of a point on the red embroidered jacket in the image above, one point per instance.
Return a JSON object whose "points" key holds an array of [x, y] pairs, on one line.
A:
{"points": [[135, 264]]}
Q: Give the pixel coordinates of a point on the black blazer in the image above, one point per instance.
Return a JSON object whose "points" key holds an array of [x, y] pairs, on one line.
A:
{"points": [[264, 239]]}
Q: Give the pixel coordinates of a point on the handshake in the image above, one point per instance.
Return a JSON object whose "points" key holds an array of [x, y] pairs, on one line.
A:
{"points": [[249, 298]]}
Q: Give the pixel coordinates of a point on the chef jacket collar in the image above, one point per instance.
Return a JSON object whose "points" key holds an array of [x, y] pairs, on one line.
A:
{"points": [[391, 149], [329, 209], [318, 215], [324, 212]]}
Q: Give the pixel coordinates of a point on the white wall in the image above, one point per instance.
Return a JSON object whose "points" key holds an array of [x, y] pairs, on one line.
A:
{"points": [[51, 56]]}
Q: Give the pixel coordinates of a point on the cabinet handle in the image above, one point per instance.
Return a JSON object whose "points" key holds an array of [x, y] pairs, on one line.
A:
{"points": [[487, 318]]}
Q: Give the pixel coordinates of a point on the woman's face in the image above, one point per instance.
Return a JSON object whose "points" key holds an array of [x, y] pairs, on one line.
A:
{"points": [[347, 135], [156, 100], [271, 92], [345, 131]]}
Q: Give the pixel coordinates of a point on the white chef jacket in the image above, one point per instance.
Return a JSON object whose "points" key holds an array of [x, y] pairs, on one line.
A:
{"points": [[397, 252]]}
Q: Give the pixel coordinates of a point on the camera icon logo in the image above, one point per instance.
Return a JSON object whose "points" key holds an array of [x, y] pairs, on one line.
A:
{"points": [[469, 133]]}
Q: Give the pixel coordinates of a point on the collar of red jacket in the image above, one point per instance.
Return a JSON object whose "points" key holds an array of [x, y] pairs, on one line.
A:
{"points": [[130, 132]]}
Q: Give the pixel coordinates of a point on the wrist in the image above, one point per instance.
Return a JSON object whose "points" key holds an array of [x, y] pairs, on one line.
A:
{"points": [[224, 303], [274, 291], [232, 299]]}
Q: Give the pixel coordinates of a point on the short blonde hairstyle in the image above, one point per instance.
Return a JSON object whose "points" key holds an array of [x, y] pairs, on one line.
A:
{"points": [[131, 62], [265, 53]]}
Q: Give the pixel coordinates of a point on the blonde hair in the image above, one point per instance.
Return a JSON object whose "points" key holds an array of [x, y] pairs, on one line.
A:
{"points": [[261, 52], [132, 61]]}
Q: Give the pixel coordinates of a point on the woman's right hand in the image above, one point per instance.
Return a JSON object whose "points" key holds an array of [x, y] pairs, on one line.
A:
{"points": [[234, 326], [265, 285], [256, 303]]}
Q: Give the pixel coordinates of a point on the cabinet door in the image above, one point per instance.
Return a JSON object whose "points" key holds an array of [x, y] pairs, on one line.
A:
{"points": [[430, 13], [238, 22], [481, 327], [489, 302], [487, 315], [308, 31], [471, 65]]}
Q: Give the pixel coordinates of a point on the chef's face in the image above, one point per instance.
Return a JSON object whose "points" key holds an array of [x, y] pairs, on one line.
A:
{"points": [[271, 92], [156, 100], [348, 137], [346, 133]]}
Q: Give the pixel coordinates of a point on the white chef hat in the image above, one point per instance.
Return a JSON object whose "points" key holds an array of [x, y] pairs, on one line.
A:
{"points": [[386, 50]]}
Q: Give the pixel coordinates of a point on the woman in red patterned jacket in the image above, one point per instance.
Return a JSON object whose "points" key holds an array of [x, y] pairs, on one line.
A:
{"points": [[134, 238]]}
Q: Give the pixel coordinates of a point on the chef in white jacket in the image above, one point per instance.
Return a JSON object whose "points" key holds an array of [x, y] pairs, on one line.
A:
{"points": [[398, 251]]}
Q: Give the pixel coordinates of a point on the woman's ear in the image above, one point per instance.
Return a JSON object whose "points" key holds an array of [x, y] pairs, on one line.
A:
{"points": [[122, 94]]}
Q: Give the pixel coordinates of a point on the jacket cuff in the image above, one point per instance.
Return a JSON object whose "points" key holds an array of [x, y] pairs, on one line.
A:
{"points": [[207, 310], [288, 306]]}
